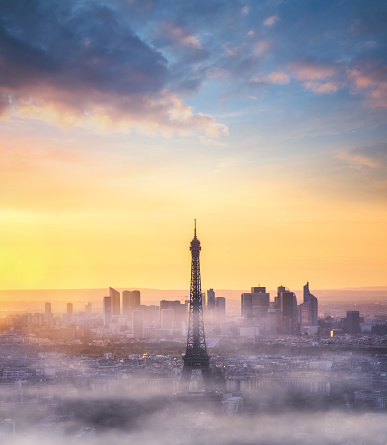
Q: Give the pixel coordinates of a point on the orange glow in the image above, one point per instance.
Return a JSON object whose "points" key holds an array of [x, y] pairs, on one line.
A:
{"points": [[73, 221]]}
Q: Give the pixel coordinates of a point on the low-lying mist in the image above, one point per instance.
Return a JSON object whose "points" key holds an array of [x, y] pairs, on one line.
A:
{"points": [[271, 416]]}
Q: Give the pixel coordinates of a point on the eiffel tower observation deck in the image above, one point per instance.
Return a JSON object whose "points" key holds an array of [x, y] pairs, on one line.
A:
{"points": [[196, 356]]}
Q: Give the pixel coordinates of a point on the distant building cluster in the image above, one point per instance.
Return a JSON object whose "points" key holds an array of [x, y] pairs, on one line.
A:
{"points": [[124, 315], [281, 316]]}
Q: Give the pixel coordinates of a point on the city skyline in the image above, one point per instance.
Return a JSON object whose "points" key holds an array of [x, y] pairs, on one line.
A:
{"points": [[122, 122], [193, 222]]}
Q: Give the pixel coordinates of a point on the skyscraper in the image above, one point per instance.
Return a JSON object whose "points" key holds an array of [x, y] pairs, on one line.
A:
{"points": [[115, 296], [138, 324], [47, 313], [196, 356], [130, 301], [107, 310], [287, 302], [69, 311], [255, 304], [220, 308], [309, 309], [210, 299], [47, 309], [353, 322]]}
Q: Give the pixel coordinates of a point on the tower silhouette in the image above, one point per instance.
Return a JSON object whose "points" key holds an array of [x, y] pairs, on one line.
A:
{"points": [[196, 356]]}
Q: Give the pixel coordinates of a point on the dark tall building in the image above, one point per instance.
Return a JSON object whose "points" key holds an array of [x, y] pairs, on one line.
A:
{"points": [[196, 356], [353, 322], [47, 313], [220, 308], [115, 296], [47, 310], [210, 299], [69, 311], [309, 308], [255, 304], [286, 301], [130, 301], [107, 310]]}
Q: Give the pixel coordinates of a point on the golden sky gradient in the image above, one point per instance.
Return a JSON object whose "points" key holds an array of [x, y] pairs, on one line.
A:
{"points": [[270, 135]]}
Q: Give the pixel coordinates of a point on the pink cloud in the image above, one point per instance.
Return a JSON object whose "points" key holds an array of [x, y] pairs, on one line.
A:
{"points": [[371, 81], [270, 21], [317, 77], [261, 47], [356, 159], [306, 70], [163, 112], [278, 78], [179, 35], [217, 73], [231, 50], [321, 88]]}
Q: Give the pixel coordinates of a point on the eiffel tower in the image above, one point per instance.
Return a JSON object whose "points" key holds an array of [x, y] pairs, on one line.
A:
{"points": [[196, 356]]}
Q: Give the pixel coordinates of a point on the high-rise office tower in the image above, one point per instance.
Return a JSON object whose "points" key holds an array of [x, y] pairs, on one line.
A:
{"points": [[47, 313], [88, 308], [286, 301], [115, 296], [69, 310], [138, 324], [107, 310], [220, 308], [309, 308], [353, 322], [196, 356], [255, 304], [47, 310], [130, 301], [210, 299]]}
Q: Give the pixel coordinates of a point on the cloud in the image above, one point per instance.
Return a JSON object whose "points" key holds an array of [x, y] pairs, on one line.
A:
{"points": [[270, 21], [177, 34], [358, 158], [81, 62], [370, 80], [321, 87], [316, 77], [217, 73], [278, 78], [308, 70], [231, 50], [261, 47], [245, 10]]}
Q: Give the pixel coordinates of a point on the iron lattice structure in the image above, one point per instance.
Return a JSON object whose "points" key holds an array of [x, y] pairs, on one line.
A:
{"points": [[196, 356]]}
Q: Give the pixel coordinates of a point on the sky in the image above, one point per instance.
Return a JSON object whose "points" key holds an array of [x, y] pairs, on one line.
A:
{"points": [[122, 120]]}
